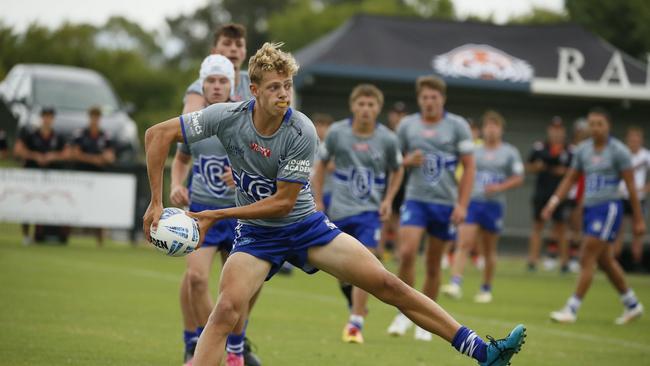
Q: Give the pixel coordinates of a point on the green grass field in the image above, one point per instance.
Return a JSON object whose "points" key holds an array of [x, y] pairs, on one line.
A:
{"points": [[118, 305]]}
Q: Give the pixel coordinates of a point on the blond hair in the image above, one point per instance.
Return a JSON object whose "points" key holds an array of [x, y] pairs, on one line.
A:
{"points": [[271, 58], [367, 90]]}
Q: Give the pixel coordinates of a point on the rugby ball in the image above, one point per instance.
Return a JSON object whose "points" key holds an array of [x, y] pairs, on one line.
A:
{"points": [[177, 234]]}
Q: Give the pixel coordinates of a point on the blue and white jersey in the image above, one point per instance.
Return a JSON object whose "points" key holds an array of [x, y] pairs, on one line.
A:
{"points": [[494, 166], [209, 163], [602, 169], [359, 181], [242, 91], [259, 161], [442, 144]]}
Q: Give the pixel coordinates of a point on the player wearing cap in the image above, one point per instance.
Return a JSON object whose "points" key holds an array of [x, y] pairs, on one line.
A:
{"points": [[604, 161], [229, 41], [550, 160], [271, 148]]}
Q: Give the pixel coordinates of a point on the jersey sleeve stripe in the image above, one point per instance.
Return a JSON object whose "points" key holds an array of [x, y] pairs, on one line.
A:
{"points": [[183, 131]]}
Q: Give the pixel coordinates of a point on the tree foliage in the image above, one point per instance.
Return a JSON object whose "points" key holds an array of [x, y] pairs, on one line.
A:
{"points": [[623, 23]]}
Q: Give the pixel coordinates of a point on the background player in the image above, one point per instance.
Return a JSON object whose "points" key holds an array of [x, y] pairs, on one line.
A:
{"points": [[433, 141], [498, 169], [363, 150], [550, 160], [229, 41], [640, 165], [211, 188], [272, 151], [604, 160]]}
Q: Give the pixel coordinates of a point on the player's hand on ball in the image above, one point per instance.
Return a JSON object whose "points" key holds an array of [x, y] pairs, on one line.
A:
{"points": [[458, 215], [179, 196], [205, 221], [151, 218]]}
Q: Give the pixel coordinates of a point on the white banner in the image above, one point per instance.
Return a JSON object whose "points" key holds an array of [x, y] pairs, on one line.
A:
{"points": [[58, 197]]}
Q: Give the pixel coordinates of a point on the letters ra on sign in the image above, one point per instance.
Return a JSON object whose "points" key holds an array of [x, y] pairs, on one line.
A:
{"points": [[484, 62]]}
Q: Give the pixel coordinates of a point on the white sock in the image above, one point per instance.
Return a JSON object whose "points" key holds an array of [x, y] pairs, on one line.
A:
{"points": [[573, 304], [356, 320], [629, 299]]}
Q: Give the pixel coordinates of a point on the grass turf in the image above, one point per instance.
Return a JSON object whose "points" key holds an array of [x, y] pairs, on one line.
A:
{"points": [[118, 305]]}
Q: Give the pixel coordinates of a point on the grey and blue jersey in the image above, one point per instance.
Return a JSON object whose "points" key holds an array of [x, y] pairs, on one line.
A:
{"points": [[442, 144], [259, 161], [209, 162], [359, 181], [242, 91], [602, 169], [494, 166]]}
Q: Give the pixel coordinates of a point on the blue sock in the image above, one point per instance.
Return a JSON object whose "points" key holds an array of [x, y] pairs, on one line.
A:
{"points": [[190, 339], [458, 280], [467, 342], [199, 330], [235, 344], [486, 287]]}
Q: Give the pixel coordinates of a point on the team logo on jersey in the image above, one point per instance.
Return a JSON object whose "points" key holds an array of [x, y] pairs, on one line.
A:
{"points": [[196, 125], [265, 151], [361, 183], [254, 186], [432, 168], [476, 61], [429, 133], [212, 167]]}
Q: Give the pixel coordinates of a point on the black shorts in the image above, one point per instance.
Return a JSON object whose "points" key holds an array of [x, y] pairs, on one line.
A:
{"points": [[561, 213], [627, 207]]}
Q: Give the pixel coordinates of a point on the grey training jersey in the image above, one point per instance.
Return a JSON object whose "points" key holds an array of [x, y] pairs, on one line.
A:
{"points": [[494, 166], [602, 169], [359, 181], [242, 91], [210, 160], [442, 144], [259, 161]]}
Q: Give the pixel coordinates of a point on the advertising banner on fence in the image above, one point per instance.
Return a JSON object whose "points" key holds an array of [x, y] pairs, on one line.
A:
{"points": [[58, 197]]}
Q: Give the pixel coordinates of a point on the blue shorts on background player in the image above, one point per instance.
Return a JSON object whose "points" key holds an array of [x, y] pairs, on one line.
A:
{"points": [[499, 168], [604, 161]]}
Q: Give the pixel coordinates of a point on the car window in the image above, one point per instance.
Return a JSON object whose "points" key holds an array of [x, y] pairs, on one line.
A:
{"points": [[10, 83], [74, 94], [24, 89]]}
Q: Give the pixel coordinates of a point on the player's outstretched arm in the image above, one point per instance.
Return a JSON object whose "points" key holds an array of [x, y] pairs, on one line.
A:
{"points": [[277, 205], [157, 140]]}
